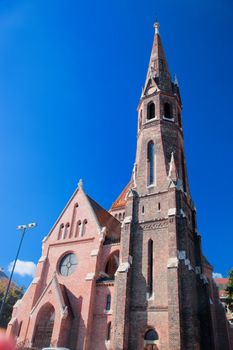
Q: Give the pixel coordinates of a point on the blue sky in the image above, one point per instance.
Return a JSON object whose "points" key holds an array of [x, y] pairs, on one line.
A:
{"points": [[71, 75]]}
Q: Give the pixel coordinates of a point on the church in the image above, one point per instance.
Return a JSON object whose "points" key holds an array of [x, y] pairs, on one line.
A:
{"points": [[133, 277]]}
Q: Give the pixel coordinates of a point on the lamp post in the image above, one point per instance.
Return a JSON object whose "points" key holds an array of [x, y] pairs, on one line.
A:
{"points": [[23, 228]]}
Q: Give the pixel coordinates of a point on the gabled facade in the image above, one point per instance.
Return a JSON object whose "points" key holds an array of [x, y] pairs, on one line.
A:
{"points": [[134, 277]]}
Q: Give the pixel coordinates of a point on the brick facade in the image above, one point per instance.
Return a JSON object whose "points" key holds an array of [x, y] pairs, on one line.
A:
{"points": [[134, 277]]}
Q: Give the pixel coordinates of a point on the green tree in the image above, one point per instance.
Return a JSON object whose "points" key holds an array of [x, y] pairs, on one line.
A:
{"points": [[229, 290], [14, 294]]}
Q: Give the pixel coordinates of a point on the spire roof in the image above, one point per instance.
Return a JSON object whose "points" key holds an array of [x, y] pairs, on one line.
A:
{"points": [[158, 71]]}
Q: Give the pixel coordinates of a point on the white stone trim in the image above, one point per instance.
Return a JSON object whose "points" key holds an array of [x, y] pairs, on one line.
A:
{"points": [[171, 212], [181, 254], [35, 280], [123, 267], [169, 119], [172, 262], [90, 276], [127, 220], [182, 213], [94, 252]]}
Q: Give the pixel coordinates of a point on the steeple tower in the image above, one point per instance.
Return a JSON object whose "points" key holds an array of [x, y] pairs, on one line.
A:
{"points": [[159, 126], [156, 283]]}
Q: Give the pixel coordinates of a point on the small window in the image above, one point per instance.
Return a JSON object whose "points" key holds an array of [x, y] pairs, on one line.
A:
{"points": [[159, 206], [167, 111], [143, 209], [150, 110], [60, 231], [78, 228], [108, 302], [109, 330], [120, 216], [83, 228]]}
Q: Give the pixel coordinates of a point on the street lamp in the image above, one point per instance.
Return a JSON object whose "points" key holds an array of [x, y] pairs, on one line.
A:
{"points": [[23, 228]]}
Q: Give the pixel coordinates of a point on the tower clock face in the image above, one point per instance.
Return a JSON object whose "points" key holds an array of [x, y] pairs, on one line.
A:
{"points": [[68, 264]]}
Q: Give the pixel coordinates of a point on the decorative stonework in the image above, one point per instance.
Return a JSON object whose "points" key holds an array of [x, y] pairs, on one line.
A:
{"points": [[154, 225]]}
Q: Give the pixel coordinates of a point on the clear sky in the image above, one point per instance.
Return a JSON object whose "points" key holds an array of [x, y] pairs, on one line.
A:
{"points": [[71, 74]]}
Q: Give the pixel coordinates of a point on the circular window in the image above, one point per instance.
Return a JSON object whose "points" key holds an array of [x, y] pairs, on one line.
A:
{"points": [[68, 264]]}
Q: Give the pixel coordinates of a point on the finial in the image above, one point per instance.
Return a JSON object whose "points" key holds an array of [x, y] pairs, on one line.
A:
{"points": [[176, 80], [80, 184], [156, 26]]}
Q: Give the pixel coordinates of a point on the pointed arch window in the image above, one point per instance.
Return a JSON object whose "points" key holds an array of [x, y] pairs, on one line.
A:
{"points": [[151, 162], [150, 268], [167, 110], [78, 228], [60, 233], [150, 110]]}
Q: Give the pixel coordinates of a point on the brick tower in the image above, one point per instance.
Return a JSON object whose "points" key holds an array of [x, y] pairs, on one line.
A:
{"points": [[162, 294]]}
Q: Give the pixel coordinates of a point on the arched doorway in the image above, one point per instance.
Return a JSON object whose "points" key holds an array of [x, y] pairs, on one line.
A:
{"points": [[44, 327], [151, 340]]}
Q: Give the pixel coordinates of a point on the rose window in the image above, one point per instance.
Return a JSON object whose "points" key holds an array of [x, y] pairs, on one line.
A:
{"points": [[68, 264]]}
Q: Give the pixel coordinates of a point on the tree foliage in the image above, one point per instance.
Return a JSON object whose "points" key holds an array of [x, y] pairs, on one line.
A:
{"points": [[229, 290], [14, 294]]}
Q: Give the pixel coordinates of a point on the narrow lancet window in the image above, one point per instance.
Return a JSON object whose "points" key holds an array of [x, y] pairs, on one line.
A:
{"points": [[108, 302], [150, 268], [167, 111], [151, 162], [109, 330], [150, 110]]}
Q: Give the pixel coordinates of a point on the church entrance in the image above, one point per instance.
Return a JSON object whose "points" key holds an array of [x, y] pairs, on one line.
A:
{"points": [[44, 327], [150, 340], [151, 347]]}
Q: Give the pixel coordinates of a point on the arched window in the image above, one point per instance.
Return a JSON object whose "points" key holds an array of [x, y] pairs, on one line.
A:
{"points": [[167, 110], [120, 217], [65, 233], [151, 335], [109, 326], [183, 172], [151, 162], [112, 265], [151, 339], [108, 302], [73, 220], [150, 110], [150, 268], [83, 228], [60, 231], [44, 327], [77, 229]]}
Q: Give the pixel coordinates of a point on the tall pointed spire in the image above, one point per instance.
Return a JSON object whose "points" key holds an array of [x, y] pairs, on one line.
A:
{"points": [[158, 71]]}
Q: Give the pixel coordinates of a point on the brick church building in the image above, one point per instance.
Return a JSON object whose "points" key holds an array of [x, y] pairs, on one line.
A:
{"points": [[133, 277]]}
